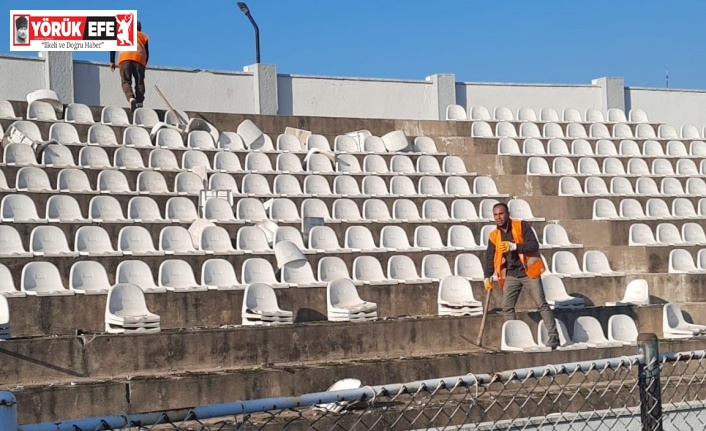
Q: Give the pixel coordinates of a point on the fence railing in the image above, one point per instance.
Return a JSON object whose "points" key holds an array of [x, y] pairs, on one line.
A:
{"points": [[644, 391]]}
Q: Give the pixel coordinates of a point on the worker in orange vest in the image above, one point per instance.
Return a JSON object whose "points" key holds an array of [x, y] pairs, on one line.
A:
{"points": [[513, 254], [132, 64]]}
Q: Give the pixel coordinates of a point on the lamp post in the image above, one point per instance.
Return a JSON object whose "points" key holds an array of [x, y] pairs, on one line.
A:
{"points": [[244, 8]]}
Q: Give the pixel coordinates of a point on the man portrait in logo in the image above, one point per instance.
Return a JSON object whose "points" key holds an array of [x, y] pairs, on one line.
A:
{"points": [[124, 29], [21, 33]]}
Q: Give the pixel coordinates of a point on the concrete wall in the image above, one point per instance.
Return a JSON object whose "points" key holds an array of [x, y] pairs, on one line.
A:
{"points": [[354, 97], [20, 75], [675, 107], [534, 96]]}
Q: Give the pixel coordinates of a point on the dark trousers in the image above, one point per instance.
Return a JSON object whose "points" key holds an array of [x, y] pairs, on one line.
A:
{"points": [[129, 70], [511, 293]]}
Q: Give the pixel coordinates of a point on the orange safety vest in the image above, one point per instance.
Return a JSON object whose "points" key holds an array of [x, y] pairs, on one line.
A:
{"points": [[140, 55], [532, 262]]}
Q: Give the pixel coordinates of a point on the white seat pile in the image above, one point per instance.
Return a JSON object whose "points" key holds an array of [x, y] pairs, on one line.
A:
{"points": [[260, 307], [456, 298], [343, 304], [126, 311], [675, 326]]}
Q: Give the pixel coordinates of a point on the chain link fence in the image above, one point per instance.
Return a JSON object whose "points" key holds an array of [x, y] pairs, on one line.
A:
{"points": [[625, 393]]}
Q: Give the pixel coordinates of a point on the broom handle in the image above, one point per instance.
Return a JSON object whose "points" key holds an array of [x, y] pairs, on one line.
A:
{"points": [[169, 105], [485, 316]]}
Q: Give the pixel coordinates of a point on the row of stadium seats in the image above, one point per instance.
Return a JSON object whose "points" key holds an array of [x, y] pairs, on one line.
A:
{"points": [[505, 129], [644, 186], [613, 166], [666, 234], [547, 114], [603, 147], [654, 209]]}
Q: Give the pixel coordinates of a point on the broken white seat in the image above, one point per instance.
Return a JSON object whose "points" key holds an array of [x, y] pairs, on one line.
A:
{"points": [[516, 336], [456, 298], [260, 306], [344, 304], [675, 326]]}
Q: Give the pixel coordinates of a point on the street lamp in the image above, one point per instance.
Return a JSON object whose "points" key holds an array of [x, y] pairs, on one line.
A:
{"points": [[244, 8]]}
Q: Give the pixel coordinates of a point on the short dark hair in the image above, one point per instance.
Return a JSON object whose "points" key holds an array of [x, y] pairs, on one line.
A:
{"points": [[501, 204]]}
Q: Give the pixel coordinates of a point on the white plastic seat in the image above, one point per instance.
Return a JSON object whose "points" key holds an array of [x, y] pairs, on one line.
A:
{"points": [[689, 131], [667, 131], [180, 209], [553, 130], [27, 128], [176, 275], [503, 113], [348, 163], [453, 165], [258, 270], [622, 131], [255, 185], [286, 185], [641, 234], [317, 141], [344, 304], [604, 209], [138, 137], [219, 211], [223, 181], [188, 183], [346, 210], [42, 279], [435, 210], [289, 163], [646, 186], [219, 274], [675, 326], [191, 159], [605, 147], [571, 114], [638, 116], [516, 336], [89, 278], [581, 147], [671, 186], [588, 331], [177, 240], [431, 186], [657, 208], [456, 298], [636, 293], [565, 341], [16, 208], [588, 166], [292, 234], [576, 130], [504, 129], [594, 115], [11, 243], [695, 186], [621, 186], [402, 164], [394, 238], [284, 210], [64, 209], [111, 182], [400, 185], [468, 266], [429, 238], [687, 168], [594, 186], [323, 239], [144, 209], [258, 162], [538, 166], [346, 144], [298, 273], [115, 116], [479, 112], [508, 146], [32, 179], [557, 147], [251, 239], [662, 168], [526, 114], [613, 166], [374, 144], [375, 164], [616, 115], [64, 134], [556, 295], [106, 209], [137, 272], [317, 185], [529, 130], [19, 155], [629, 148], [394, 141], [463, 209], [485, 208], [7, 284], [126, 311], [683, 208], [693, 233], [102, 135], [360, 239], [563, 166], [483, 186], [405, 210], [145, 117], [369, 270], [631, 209], [260, 306], [645, 131], [136, 241], [227, 162], [548, 114], [599, 130], [555, 235], [346, 185], [570, 186], [6, 110], [128, 158], [288, 142], [77, 113], [461, 237], [456, 112], [200, 139], [252, 136], [376, 210], [425, 145], [403, 269], [314, 207], [682, 262], [150, 182], [40, 111], [596, 262], [230, 141], [162, 159], [169, 138], [532, 147], [520, 209], [564, 264], [435, 267], [638, 167], [175, 117], [318, 163]]}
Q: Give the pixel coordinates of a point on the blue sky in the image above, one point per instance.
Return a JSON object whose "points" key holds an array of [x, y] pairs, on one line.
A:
{"points": [[545, 41]]}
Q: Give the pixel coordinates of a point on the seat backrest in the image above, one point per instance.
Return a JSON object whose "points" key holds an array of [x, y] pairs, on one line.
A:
{"points": [[508, 146], [181, 209], [135, 239], [41, 277], [576, 130], [667, 233], [145, 117], [605, 147], [594, 115], [367, 268], [401, 267], [405, 209], [435, 209], [479, 112], [616, 115], [169, 138], [456, 112], [376, 209], [359, 237], [64, 133], [78, 113], [332, 268], [323, 238], [346, 209], [532, 146], [152, 183], [100, 134], [41, 111], [435, 266], [346, 185], [656, 207], [425, 144], [399, 185], [581, 147], [176, 239], [588, 329], [89, 276], [596, 261], [258, 162], [641, 234], [114, 115], [604, 209], [506, 130], [176, 273], [162, 159], [316, 185], [538, 166], [255, 184], [394, 237], [564, 262], [252, 238]]}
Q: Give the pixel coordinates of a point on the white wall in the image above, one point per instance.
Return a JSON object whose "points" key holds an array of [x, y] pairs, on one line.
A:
{"points": [[675, 107], [355, 97], [190, 90], [19, 76], [534, 96]]}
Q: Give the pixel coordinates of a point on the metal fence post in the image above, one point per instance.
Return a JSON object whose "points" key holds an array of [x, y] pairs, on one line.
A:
{"points": [[650, 386], [8, 411]]}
